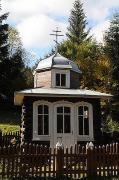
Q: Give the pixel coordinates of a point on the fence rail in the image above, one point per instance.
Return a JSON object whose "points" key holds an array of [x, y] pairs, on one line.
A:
{"points": [[31, 160]]}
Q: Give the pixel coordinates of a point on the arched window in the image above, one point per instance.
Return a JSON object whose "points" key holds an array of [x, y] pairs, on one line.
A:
{"points": [[83, 120], [43, 120]]}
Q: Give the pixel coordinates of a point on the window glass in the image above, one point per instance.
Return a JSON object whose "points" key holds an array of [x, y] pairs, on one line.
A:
{"points": [[40, 124], [46, 125], [86, 113], [45, 109], [63, 79], [43, 120], [80, 110], [80, 125], [40, 109], [83, 120], [60, 123], [67, 128], [66, 109], [60, 79], [57, 79], [86, 126], [59, 109], [63, 120]]}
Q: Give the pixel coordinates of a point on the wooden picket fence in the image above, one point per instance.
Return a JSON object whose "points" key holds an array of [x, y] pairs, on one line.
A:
{"points": [[32, 160], [7, 139]]}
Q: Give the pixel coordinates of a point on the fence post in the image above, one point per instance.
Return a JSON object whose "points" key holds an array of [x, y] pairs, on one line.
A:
{"points": [[0, 137], [91, 160], [59, 160]]}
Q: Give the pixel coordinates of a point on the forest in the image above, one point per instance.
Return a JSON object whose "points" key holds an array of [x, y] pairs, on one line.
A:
{"points": [[99, 63]]}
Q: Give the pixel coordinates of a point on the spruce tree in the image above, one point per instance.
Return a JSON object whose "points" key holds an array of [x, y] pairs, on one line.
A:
{"points": [[112, 49], [77, 33], [77, 24], [4, 57]]}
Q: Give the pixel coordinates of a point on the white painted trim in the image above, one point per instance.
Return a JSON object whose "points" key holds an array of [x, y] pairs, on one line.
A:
{"points": [[72, 133], [37, 137], [89, 137], [60, 71], [52, 122]]}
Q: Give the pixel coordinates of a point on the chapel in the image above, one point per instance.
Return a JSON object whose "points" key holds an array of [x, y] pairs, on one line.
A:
{"points": [[57, 109]]}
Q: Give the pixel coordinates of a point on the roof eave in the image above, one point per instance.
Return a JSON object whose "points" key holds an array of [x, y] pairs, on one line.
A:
{"points": [[18, 97]]}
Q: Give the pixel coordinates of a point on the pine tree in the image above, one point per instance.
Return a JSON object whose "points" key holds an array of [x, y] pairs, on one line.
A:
{"points": [[3, 38], [77, 24], [4, 58]]}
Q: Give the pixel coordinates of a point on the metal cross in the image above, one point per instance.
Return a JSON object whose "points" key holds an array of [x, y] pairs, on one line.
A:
{"points": [[56, 35]]}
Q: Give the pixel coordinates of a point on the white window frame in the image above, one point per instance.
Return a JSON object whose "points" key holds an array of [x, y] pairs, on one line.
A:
{"points": [[89, 137], [36, 136], [53, 123], [60, 71]]}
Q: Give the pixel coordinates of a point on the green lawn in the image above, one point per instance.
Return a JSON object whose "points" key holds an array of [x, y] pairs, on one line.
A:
{"points": [[6, 128], [9, 121]]}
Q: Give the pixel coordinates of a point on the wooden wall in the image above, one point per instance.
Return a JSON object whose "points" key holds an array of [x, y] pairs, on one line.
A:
{"points": [[28, 114], [74, 80], [42, 79]]}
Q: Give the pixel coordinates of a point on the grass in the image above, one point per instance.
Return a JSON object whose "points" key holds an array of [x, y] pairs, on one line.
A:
{"points": [[6, 128], [9, 121]]}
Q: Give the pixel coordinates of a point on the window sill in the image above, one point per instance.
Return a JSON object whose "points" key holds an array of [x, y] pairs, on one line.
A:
{"points": [[85, 138], [41, 137], [63, 87]]}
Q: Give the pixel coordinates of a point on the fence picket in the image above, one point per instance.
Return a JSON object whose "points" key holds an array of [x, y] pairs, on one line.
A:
{"points": [[75, 160], [31, 160], [9, 138]]}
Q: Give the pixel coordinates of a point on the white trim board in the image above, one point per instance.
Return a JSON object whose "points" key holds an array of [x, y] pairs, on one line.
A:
{"points": [[52, 121], [60, 71]]}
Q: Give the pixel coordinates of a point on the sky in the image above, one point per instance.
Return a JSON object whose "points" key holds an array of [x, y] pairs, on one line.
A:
{"points": [[36, 19]]}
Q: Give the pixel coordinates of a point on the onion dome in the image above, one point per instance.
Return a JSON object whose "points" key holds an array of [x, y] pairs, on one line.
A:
{"points": [[57, 61]]}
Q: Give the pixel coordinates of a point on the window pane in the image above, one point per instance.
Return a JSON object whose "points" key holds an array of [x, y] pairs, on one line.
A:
{"points": [[46, 125], [86, 126], [60, 109], [45, 109], [67, 128], [80, 110], [63, 79], [57, 79], [59, 123], [40, 124], [66, 109], [40, 109], [86, 113], [80, 125], [85, 108]]}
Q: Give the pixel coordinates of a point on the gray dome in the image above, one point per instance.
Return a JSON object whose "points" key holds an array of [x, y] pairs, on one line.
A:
{"points": [[57, 61]]}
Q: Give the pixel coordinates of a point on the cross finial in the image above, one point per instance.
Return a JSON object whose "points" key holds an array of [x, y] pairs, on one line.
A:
{"points": [[56, 35]]}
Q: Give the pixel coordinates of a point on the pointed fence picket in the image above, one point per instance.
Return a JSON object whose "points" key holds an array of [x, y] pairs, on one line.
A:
{"points": [[30, 160]]}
